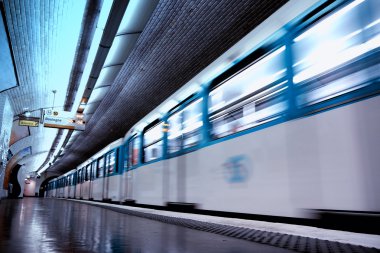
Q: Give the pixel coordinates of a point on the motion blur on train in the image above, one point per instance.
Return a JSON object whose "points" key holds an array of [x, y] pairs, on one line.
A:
{"points": [[291, 128]]}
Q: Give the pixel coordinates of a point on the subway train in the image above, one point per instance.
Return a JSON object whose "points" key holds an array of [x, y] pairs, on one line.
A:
{"points": [[292, 129]]}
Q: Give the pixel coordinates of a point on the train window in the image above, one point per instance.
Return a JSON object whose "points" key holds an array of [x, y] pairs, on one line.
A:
{"points": [[175, 132], [116, 159], [79, 176], [84, 174], [134, 147], [191, 123], [88, 172], [112, 158], [110, 162], [130, 150], [125, 157], [93, 169], [153, 142], [251, 97], [99, 169], [184, 127], [337, 50]]}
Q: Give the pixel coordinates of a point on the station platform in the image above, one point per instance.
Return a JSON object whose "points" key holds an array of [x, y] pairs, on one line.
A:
{"points": [[60, 225]]}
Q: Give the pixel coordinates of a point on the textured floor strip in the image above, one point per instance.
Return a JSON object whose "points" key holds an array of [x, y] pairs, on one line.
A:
{"points": [[286, 241]]}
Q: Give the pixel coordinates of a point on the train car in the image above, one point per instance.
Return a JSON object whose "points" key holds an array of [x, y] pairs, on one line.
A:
{"points": [[287, 128]]}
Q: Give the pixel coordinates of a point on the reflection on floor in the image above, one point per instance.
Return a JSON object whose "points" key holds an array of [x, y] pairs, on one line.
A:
{"points": [[49, 225]]}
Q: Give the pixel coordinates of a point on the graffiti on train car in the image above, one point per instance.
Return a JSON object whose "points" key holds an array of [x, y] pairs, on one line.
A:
{"points": [[237, 169]]}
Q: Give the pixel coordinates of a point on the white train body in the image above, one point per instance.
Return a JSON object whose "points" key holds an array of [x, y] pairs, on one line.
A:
{"points": [[311, 145]]}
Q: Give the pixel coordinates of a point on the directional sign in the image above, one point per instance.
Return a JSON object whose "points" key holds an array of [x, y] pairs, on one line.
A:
{"points": [[29, 123], [63, 120]]}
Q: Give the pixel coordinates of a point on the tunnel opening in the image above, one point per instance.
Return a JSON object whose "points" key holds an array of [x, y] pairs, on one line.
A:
{"points": [[43, 187], [14, 188]]}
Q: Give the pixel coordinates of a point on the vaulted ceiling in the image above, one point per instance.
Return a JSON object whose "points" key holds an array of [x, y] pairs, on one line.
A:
{"points": [[44, 36], [179, 39]]}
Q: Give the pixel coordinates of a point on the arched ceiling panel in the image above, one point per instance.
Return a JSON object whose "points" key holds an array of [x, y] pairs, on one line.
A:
{"points": [[121, 48], [107, 76]]}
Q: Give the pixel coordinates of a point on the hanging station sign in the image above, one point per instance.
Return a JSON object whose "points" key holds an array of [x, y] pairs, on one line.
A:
{"points": [[29, 122], [63, 120]]}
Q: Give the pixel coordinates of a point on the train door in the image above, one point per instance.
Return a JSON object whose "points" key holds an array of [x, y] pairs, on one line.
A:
{"points": [[133, 160], [78, 184], [112, 183], [86, 184], [106, 176], [119, 172], [98, 184], [74, 183], [70, 186], [92, 178], [124, 172], [83, 172]]}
